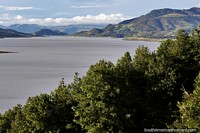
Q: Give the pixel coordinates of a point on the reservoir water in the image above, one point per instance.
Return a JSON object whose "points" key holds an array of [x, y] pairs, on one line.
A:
{"points": [[40, 63]]}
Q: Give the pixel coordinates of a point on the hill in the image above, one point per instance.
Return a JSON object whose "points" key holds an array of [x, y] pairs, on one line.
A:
{"points": [[12, 33], [26, 28], [161, 23], [3, 27], [48, 32], [69, 29]]}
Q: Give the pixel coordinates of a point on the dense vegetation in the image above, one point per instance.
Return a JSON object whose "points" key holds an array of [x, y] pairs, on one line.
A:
{"points": [[161, 23], [159, 89]]}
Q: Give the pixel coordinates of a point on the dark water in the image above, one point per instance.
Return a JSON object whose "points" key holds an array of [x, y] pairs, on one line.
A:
{"points": [[42, 62]]}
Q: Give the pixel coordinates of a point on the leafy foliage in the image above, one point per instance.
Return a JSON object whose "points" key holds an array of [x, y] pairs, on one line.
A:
{"points": [[44, 113], [190, 109], [6, 120]]}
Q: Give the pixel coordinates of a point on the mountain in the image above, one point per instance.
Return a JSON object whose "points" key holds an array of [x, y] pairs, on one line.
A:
{"points": [[69, 29], [26, 28], [161, 23], [3, 27], [12, 33], [48, 32]]}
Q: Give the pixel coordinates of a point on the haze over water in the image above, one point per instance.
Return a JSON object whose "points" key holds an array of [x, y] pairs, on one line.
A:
{"points": [[42, 62]]}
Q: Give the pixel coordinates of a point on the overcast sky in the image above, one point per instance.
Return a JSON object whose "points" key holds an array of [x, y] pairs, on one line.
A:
{"points": [[64, 12]]}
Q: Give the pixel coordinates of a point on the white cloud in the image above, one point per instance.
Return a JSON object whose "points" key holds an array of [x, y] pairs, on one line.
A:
{"points": [[19, 17], [88, 19], [15, 8], [4, 18], [101, 18]]}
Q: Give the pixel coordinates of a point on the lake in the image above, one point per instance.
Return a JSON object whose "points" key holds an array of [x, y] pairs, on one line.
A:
{"points": [[40, 63]]}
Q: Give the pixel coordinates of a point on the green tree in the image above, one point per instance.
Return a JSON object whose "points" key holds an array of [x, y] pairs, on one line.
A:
{"points": [[125, 100], [18, 125], [164, 72], [189, 109], [93, 112], [47, 113], [141, 59], [109, 98], [38, 113], [7, 119], [64, 100]]}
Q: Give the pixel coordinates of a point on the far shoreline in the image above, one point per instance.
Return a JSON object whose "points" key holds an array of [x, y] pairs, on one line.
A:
{"points": [[144, 39], [125, 39]]}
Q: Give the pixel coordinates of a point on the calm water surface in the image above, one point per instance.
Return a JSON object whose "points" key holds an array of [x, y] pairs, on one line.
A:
{"points": [[42, 62]]}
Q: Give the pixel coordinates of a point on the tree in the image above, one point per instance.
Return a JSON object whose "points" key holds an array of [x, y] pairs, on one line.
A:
{"points": [[38, 113], [141, 58], [174, 66], [46, 113], [189, 109], [7, 119], [18, 124], [93, 112], [109, 98], [64, 100]]}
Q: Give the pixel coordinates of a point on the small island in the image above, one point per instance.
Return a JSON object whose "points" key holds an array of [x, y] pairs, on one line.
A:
{"points": [[4, 52]]}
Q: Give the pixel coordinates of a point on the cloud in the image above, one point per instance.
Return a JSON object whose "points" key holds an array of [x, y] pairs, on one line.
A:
{"points": [[4, 18], [15, 8], [62, 14], [88, 19], [89, 6], [19, 17], [101, 18]]}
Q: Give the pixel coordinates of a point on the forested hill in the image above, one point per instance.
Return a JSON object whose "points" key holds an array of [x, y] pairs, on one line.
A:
{"points": [[12, 33], [48, 32], [161, 23]]}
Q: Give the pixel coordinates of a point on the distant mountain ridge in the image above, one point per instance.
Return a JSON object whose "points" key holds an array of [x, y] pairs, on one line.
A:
{"points": [[48, 32], [12, 33], [161, 23], [68, 29], [26, 30]]}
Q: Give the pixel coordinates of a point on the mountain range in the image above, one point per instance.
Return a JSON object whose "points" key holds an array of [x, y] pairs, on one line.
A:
{"points": [[68, 29], [27, 30], [161, 23]]}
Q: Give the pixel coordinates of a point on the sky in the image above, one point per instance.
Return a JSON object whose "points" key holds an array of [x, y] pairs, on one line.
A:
{"points": [[66, 12]]}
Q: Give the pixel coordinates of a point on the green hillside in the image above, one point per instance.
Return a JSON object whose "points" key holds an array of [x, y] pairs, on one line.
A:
{"points": [[161, 23]]}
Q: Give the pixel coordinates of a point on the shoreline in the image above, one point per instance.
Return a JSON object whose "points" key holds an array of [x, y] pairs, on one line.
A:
{"points": [[144, 39], [129, 38], [125, 39], [5, 52]]}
